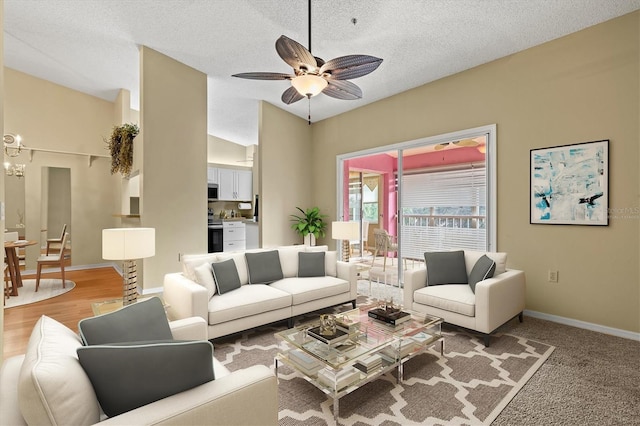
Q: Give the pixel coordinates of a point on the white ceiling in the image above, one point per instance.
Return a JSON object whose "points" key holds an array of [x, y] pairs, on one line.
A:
{"points": [[92, 45]]}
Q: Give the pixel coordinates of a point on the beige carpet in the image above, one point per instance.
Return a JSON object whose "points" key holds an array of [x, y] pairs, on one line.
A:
{"points": [[470, 385], [48, 288]]}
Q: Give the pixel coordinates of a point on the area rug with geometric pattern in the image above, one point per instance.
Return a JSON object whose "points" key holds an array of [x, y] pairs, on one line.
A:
{"points": [[470, 385]]}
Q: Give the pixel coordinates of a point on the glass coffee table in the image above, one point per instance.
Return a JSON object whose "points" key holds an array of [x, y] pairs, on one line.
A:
{"points": [[365, 350]]}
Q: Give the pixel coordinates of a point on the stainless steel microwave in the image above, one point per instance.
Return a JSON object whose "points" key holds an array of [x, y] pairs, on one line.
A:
{"points": [[212, 191]]}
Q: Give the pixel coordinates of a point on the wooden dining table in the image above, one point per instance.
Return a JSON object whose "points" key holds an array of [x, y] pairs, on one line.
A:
{"points": [[13, 262]]}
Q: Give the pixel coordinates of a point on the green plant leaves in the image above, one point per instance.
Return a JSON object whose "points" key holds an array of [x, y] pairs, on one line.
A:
{"points": [[311, 222], [120, 146]]}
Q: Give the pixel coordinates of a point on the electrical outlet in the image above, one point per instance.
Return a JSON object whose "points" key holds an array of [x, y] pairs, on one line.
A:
{"points": [[552, 276]]}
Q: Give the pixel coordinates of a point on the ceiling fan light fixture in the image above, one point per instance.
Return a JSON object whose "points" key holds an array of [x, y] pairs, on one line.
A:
{"points": [[309, 85]]}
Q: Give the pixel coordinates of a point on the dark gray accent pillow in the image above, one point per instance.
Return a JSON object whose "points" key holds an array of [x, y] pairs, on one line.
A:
{"points": [[445, 267], [311, 264], [264, 267], [225, 274], [144, 320], [483, 269], [128, 377]]}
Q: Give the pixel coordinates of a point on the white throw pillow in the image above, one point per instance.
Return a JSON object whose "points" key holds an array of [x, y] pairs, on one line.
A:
{"points": [[241, 264], [330, 259], [191, 261], [289, 260], [204, 277], [472, 256], [53, 389]]}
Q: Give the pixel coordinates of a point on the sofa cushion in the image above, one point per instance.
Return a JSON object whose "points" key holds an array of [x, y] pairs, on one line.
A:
{"points": [[449, 297], [289, 260], [445, 267], [226, 276], [241, 265], [204, 277], [330, 265], [311, 264], [472, 256], [53, 389], [246, 301], [304, 290], [144, 320], [264, 267], [191, 261], [483, 269], [130, 376]]}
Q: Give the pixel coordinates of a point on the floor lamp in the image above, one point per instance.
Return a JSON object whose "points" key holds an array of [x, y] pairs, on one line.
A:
{"points": [[345, 231], [128, 245]]}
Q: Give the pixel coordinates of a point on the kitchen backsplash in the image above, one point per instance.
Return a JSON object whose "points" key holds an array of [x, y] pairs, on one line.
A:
{"points": [[228, 207]]}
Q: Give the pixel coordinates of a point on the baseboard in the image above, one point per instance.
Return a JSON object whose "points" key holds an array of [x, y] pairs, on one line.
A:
{"points": [[74, 268], [585, 325]]}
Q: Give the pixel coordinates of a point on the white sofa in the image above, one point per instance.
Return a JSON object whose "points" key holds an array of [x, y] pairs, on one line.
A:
{"points": [[496, 300], [188, 293], [65, 395]]}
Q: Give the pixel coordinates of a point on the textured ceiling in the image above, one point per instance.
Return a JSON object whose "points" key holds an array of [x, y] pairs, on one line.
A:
{"points": [[92, 45]]}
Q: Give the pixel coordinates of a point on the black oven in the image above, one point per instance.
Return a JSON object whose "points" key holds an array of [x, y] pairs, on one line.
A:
{"points": [[215, 238]]}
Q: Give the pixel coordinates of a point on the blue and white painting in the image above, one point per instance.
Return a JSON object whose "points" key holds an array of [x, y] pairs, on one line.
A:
{"points": [[569, 184]]}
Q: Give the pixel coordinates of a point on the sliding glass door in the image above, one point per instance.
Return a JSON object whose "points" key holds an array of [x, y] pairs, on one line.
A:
{"points": [[427, 195]]}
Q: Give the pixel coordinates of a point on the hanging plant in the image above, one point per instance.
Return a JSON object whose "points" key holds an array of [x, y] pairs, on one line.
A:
{"points": [[121, 147]]}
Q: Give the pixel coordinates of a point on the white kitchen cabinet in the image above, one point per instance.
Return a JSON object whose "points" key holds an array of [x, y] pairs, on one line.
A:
{"points": [[235, 185], [212, 174], [233, 236]]}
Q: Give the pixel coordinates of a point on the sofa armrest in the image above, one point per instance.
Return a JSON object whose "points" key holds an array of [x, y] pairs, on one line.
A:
{"points": [[224, 401], [414, 279], [192, 328], [499, 299], [184, 297], [348, 272]]}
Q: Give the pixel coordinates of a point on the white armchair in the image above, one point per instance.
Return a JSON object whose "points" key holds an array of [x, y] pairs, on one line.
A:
{"points": [[496, 300]]}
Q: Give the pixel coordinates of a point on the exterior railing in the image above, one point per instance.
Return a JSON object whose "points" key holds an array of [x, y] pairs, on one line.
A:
{"points": [[421, 233]]}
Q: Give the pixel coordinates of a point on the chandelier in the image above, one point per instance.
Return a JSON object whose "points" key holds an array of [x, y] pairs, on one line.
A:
{"points": [[16, 170]]}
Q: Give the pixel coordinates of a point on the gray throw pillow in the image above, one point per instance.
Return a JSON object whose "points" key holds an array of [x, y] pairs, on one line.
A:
{"points": [[264, 267], [445, 267], [483, 269], [225, 274], [128, 377], [311, 264], [144, 320]]}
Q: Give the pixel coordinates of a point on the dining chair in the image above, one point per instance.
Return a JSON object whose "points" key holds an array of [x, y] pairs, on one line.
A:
{"points": [[54, 241], [52, 260], [384, 245], [7, 282]]}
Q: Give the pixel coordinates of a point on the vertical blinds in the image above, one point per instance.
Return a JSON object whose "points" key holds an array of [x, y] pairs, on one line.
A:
{"points": [[434, 205]]}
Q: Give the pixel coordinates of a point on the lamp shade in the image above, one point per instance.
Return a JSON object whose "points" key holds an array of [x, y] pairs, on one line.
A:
{"points": [[128, 243], [309, 84], [345, 230]]}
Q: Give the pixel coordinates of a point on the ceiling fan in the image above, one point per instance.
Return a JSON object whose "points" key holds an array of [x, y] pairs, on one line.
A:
{"points": [[312, 75], [463, 142]]}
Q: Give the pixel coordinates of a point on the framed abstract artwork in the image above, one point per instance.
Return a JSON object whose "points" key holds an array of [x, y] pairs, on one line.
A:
{"points": [[570, 184]]}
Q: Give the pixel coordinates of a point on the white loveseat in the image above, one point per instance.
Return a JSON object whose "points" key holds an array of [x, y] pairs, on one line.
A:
{"points": [[496, 300], [48, 386], [189, 293]]}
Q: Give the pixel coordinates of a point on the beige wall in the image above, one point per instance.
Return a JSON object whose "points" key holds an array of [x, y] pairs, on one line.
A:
{"points": [[579, 88], [286, 181], [2, 178], [53, 117], [173, 122], [222, 151]]}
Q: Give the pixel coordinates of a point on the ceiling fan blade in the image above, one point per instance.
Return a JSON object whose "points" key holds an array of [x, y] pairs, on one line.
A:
{"points": [[441, 146], [295, 54], [466, 142], [350, 66], [291, 95], [342, 89], [264, 76]]}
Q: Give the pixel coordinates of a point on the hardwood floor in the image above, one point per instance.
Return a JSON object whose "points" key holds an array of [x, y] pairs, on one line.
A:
{"points": [[92, 285]]}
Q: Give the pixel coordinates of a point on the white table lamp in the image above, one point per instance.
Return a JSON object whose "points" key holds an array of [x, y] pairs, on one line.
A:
{"points": [[128, 245], [345, 231]]}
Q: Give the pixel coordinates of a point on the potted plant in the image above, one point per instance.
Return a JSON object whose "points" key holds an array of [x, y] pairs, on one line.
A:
{"points": [[121, 147], [310, 224]]}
